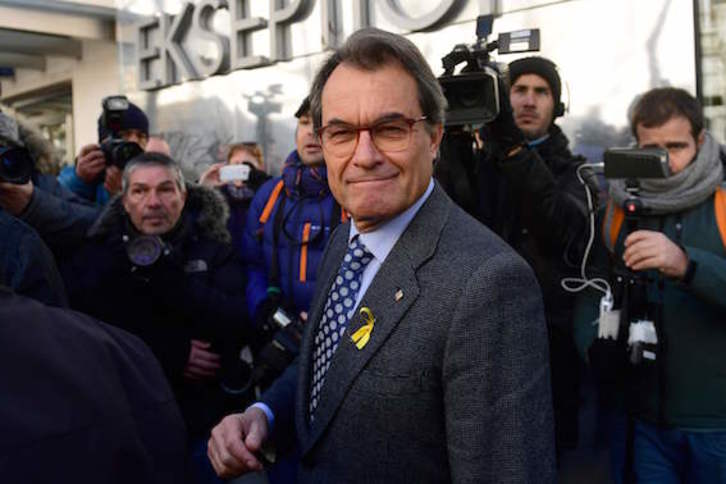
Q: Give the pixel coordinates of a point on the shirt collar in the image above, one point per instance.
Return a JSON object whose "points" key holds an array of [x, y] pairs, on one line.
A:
{"points": [[380, 241], [538, 141]]}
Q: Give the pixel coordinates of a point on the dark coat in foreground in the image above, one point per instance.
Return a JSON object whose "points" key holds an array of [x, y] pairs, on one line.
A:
{"points": [[194, 292], [453, 385], [82, 402], [26, 264]]}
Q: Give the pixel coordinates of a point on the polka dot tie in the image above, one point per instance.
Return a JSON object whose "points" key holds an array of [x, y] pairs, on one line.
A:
{"points": [[339, 309]]}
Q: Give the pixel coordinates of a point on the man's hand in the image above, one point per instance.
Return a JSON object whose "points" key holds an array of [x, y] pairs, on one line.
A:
{"points": [[646, 249], [112, 182], [90, 163], [234, 442], [15, 198], [210, 177], [202, 363]]}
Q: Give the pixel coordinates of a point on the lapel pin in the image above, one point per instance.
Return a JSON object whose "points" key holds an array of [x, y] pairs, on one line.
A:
{"points": [[363, 335], [399, 295]]}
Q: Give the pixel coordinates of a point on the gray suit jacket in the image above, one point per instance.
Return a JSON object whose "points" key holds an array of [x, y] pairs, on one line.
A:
{"points": [[454, 383]]}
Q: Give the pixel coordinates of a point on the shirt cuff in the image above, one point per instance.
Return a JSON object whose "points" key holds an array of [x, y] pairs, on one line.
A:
{"points": [[268, 413]]}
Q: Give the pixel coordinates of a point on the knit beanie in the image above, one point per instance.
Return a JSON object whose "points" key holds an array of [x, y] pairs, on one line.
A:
{"points": [[544, 68], [132, 118]]}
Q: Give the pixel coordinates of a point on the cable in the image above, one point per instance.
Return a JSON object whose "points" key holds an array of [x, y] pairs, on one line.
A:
{"points": [[583, 281]]}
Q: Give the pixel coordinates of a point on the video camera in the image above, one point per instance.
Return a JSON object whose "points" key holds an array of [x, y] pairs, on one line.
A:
{"points": [[473, 94], [630, 290], [16, 165], [116, 150]]}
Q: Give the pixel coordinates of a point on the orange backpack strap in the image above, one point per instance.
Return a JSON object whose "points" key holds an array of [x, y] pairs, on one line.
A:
{"points": [[271, 202], [611, 224], [304, 252], [719, 201]]}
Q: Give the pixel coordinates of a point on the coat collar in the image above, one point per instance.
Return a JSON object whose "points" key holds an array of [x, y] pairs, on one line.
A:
{"points": [[416, 245]]}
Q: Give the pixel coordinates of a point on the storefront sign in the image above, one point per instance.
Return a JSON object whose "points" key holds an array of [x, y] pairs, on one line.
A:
{"points": [[162, 60]]}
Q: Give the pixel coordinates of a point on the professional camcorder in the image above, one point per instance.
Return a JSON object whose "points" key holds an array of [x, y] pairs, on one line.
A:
{"points": [[116, 150], [474, 99], [16, 165], [473, 94], [637, 315]]}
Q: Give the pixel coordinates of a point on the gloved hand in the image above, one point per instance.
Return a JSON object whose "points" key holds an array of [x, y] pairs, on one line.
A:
{"points": [[502, 135]]}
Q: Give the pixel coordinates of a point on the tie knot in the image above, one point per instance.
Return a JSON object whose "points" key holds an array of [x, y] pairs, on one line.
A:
{"points": [[357, 256]]}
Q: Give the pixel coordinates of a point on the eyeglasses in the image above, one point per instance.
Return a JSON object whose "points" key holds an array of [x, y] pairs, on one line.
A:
{"points": [[388, 135]]}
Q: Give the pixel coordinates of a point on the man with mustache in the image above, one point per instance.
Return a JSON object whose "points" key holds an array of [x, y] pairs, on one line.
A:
{"points": [[158, 263]]}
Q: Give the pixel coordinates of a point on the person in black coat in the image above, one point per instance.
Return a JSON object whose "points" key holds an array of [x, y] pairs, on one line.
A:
{"points": [[26, 264], [82, 402], [158, 263], [525, 187]]}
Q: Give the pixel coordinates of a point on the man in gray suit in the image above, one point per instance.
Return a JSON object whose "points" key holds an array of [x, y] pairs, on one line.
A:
{"points": [[425, 353]]}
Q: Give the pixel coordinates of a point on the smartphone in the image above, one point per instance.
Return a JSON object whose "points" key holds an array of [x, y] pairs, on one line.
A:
{"points": [[230, 173], [636, 163]]}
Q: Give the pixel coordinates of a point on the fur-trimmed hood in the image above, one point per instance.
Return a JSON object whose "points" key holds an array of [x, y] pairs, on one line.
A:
{"points": [[205, 206], [21, 133]]}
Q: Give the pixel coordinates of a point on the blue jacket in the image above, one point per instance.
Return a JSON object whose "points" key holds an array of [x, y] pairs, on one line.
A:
{"points": [[92, 192], [59, 216], [309, 214]]}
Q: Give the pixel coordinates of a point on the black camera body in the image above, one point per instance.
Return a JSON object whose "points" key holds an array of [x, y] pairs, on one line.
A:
{"points": [[473, 94], [16, 165], [116, 150], [637, 315]]}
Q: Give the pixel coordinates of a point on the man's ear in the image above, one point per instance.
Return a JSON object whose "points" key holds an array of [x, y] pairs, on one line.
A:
{"points": [[701, 138], [437, 133]]}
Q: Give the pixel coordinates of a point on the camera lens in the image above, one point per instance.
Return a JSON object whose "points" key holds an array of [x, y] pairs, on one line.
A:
{"points": [[16, 166], [124, 151]]}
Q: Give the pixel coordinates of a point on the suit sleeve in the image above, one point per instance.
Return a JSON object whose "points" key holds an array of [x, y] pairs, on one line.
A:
{"points": [[497, 396]]}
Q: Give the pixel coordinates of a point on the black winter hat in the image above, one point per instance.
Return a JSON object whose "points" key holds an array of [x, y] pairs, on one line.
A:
{"points": [[133, 118], [544, 68]]}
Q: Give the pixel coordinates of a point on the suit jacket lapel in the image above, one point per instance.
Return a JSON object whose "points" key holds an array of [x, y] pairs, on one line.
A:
{"points": [[398, 273]]}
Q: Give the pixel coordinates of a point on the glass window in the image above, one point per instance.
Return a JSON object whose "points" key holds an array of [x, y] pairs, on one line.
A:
{"points": [[712, 24]]}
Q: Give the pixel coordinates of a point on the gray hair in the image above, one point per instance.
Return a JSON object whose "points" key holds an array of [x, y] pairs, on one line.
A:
{"points": [[372, 48], [152, 159]]}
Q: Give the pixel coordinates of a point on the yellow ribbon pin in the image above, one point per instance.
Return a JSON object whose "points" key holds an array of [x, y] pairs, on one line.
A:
{"points": [[361, 337]]}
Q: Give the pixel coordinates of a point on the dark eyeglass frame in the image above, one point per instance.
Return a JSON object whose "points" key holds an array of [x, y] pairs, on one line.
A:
{"points": [[371, 129]]}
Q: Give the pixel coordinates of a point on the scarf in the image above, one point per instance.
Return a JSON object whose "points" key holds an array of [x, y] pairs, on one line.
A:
{"points": [[686, 189], [303, 181]]}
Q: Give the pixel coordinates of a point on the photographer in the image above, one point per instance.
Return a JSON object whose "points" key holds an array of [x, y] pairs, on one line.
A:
{"points": [[95, 177], [59, 216], [524, 186], [674, 393], [238, 190], [158, 263]]}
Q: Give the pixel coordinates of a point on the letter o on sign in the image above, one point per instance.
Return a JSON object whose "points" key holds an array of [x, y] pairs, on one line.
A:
{"points": [[395, 14]]}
